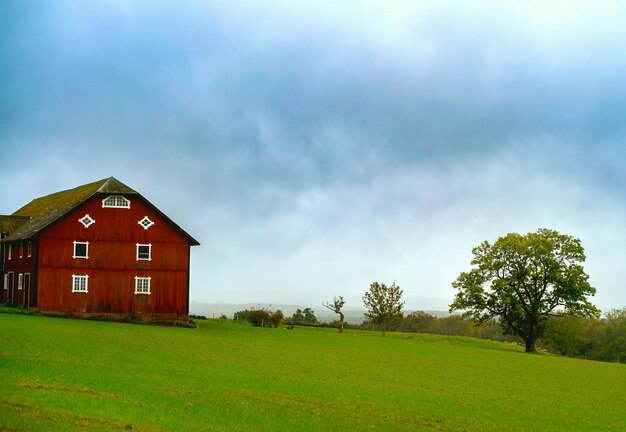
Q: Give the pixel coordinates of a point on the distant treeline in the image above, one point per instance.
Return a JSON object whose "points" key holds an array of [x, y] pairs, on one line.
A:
{"points": [[589, 338], [453, 325]]}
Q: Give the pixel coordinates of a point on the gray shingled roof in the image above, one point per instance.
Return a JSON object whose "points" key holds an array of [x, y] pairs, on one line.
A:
{"points": [[42, 212]]}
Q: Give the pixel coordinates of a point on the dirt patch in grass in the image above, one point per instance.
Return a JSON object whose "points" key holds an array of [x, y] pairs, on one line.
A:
{"points": [[68, 390], [62, 418]]}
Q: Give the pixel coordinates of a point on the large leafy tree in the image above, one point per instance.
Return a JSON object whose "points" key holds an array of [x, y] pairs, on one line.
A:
{"points": [[522, 279], [383, 304]]}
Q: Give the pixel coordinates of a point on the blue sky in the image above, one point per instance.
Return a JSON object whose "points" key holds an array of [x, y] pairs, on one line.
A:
{"points": [[315, 147]]}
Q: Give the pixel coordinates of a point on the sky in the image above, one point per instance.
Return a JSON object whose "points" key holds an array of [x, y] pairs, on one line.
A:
{"points": [[315, 147]]}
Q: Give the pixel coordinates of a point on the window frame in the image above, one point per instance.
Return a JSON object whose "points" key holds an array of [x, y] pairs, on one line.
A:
{"points": [[86, 250], [145, 226], [79, 278], [11, 281], [6, 281], [116, 204], [90, 221], [138, 258], [30, 249], [21, 249], [9, 252], [143, 279], [20, 281]]}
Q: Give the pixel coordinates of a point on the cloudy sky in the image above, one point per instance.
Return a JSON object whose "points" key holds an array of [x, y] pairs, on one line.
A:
{"points": [[315, 147]]}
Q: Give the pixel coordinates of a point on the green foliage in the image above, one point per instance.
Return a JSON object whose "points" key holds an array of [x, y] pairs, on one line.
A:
{"points": [[276, 317], [263, 317], [76, 375], [259, 317], [241, 315], [453, 325], [383, 304], [567, 334], [306, 316], [615, 349], [522, 279]]}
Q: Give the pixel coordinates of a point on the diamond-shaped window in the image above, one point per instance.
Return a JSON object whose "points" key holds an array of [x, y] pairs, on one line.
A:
{"points": [[87, 221], [146, 222]]}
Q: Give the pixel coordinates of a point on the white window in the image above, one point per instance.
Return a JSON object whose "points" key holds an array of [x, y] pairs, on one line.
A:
{"points": [[86, 221], [144, 252], [6, 281], [20, 281], [142, 285], [21, 249], [30, 249], [80, 283], [81, 250], [146, 222], [10, 250], [116, 201]]}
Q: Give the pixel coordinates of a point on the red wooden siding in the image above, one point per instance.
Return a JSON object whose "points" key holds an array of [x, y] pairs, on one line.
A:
{"points": [[23, 265], [112, 265]]}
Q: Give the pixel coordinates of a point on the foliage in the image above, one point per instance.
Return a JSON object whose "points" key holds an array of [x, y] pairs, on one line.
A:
{"points": [[615, 349], [242, 315], [567, 334], [336, 306], [522, 279], [454, 325], [419, 322], [306, 316], [264, 317], [276, 317], [383, 304], [223, 376]]}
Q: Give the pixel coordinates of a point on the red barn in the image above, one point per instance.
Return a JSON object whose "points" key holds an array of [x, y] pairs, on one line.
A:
{"points": [[98, 249]]}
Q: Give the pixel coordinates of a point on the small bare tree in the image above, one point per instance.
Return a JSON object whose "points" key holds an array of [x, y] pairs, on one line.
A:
{"points": [[336, 306]]}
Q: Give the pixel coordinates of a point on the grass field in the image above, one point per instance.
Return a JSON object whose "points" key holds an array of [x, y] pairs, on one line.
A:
{"points": [[63, 374]]}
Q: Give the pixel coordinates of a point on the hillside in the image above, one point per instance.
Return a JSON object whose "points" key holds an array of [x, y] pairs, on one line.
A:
{"points": [[62, 374]]}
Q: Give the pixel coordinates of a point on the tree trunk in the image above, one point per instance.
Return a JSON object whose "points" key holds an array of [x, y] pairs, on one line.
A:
{"points": [[383, 330], [530, 345], [340, 323]]}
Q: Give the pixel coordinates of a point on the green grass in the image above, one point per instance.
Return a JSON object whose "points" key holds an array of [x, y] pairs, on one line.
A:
{"points": [[62, 374]]}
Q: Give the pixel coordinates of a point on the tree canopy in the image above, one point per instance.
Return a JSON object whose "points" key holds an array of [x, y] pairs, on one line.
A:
{"points": [[383, 304], [522, 279], [306, 316]]}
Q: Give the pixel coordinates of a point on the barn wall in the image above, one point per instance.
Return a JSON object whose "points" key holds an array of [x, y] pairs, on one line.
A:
{"points": [[20, 265], [112, 265]]}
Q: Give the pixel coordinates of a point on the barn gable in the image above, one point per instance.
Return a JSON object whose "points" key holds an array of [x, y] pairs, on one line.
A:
{"points": [[40, 213]]}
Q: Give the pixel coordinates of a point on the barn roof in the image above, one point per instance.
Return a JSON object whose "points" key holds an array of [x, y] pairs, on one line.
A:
{"points": [[9, 223], [42, 212]]}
